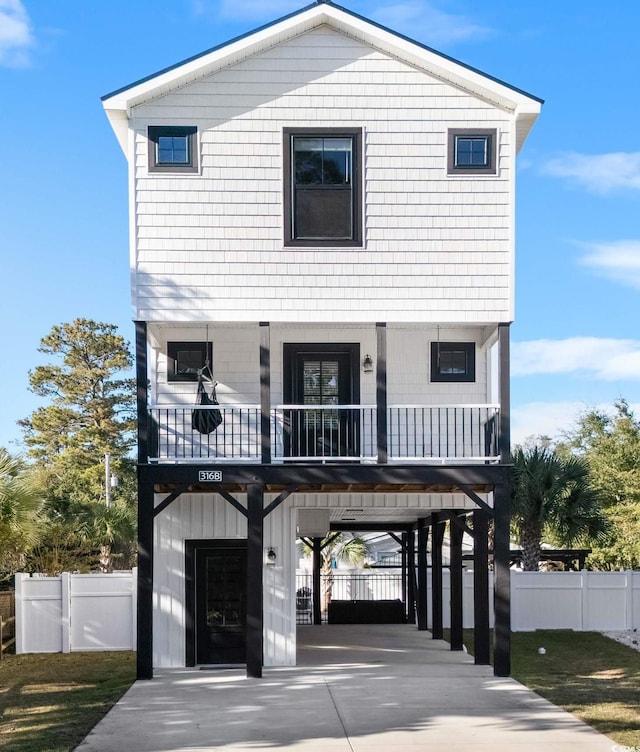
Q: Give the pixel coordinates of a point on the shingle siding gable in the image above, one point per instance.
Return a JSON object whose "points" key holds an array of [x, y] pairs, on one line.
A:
{"points": [[210, 246]]}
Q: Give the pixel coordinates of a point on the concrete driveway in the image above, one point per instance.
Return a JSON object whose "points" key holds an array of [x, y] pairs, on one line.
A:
{"points": [[357, 688]]}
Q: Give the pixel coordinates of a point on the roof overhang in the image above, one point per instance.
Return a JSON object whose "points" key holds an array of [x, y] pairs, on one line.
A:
{"points": [[525, 107]]}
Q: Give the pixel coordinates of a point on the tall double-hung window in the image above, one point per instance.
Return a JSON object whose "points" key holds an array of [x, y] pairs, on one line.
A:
{"points": [[322, 193]]}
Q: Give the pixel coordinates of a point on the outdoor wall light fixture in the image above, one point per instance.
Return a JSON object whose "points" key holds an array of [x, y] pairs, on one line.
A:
{"points": [[270, 556], [367, 364]]}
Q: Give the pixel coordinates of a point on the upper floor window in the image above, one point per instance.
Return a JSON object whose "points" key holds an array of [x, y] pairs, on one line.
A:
{"points": [[322, 193], [172, 148], [186, 359], [472, 152], [453, 361]]}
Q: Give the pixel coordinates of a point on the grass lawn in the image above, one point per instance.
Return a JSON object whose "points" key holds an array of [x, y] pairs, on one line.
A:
{"points": [[591, 676], [49, 703]]}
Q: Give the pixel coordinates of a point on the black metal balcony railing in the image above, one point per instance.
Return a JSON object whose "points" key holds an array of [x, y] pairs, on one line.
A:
{"points": [[437, 433]]}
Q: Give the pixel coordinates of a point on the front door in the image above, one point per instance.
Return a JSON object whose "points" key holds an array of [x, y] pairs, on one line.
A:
{"points": [[319, 377], [220, 604]]}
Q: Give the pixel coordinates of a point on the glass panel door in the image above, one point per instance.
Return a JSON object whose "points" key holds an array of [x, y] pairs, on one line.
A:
{"points": [[221, 609]]}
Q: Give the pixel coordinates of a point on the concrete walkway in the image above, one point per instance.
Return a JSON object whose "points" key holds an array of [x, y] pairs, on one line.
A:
{"points": [[370, 688]]}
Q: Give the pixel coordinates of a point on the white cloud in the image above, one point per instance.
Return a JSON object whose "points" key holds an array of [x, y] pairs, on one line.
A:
{"points": [[16, 37], [602, 359], [619, 261], [551, 419], [598, 173], [543, 419], [419, 19]]}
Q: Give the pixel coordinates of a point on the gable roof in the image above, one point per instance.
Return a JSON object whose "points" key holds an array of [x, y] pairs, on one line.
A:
{"points": [[526, 107]]}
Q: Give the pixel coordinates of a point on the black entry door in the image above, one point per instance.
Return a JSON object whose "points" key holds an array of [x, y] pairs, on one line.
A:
{"points": [[322, 376], [220, 603]]}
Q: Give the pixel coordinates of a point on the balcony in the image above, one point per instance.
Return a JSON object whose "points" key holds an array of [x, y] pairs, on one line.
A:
{"points": [[439, 434]]}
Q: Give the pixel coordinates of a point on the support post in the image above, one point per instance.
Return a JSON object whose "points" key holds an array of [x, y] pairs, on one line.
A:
{"points": [[423, 533], [255, 498], [455, 571], [411, 584], [501, 582], [265, 392], [403, 564], [437, 535], [316, 581], [481, 636], [144, 630], [381, 393], [501, 537]]}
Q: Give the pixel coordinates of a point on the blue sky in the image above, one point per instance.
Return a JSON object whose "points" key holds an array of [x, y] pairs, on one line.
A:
{"points": [[63, 213]]}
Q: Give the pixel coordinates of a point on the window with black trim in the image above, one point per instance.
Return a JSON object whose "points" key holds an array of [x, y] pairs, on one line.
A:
{"points": [[172, 148], [322, 187], [185, 359], [472, 151], [453, 361]]}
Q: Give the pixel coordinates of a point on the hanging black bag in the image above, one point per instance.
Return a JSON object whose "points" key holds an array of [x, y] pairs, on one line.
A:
{"points": [[205, 421]]}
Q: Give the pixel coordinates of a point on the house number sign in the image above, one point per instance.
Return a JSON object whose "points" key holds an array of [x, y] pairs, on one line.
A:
{"points": [[210, 476]]}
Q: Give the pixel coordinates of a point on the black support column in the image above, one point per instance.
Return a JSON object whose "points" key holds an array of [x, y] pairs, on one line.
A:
{"points": [[411, 584], [255, 619], [403, 564], [316, 580], [501, 538], [144, 622], [423, 534], [265, 392], [381, 393], [437, 535], [481, 635], [456, 584]]}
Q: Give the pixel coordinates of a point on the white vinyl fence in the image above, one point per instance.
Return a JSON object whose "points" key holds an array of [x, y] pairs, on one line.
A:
{"points": [[76, 612]]}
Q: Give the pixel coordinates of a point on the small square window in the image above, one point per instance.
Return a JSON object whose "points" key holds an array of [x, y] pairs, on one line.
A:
{"points": [[185, 359], [172, 148], [472, 152], [453, 361], [322, 193]]}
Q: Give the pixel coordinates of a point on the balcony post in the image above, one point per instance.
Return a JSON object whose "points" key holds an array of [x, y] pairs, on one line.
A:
{"points": [[142, 379], [265, 392], [381, 393]]}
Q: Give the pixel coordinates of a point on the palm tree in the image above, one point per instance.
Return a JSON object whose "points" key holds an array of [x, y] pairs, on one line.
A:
{"points": [[20, 505], [337, 547], [553, 498]]}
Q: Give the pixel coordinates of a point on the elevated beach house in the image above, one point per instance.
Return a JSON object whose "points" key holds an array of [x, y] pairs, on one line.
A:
{"points": [[322, 229]]}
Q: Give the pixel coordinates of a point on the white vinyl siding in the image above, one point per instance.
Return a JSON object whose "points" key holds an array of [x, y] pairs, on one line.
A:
{"points": [[210, 246]]}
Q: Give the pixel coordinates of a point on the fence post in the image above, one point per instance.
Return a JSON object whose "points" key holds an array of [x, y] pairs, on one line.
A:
{"points": [[584, 600], [629, 599], [19, 578], [65, 611]]}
